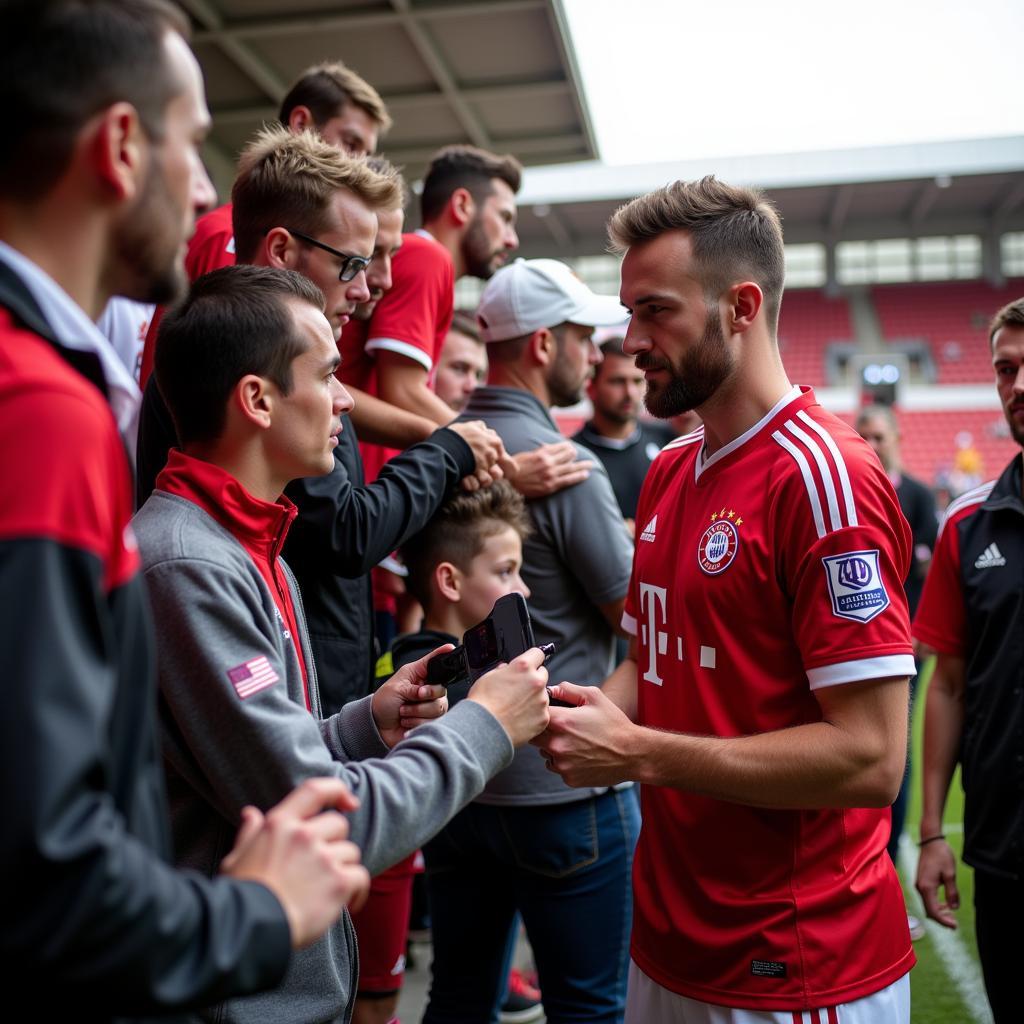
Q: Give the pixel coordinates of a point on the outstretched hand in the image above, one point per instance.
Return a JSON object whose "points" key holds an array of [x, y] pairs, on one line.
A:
{"points": [[548, 469], [407, 700], [591, 744]]}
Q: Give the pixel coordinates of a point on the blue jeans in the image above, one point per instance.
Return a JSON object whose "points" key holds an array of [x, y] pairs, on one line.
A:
{"points": [[566, 868]]}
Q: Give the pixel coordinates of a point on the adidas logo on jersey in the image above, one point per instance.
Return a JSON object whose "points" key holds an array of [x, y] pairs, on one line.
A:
{"points": [[649, 529], [990, 558]]}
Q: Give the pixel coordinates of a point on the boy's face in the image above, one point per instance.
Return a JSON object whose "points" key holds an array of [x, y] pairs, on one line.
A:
{"points": [[307, 421], [491, 574]]}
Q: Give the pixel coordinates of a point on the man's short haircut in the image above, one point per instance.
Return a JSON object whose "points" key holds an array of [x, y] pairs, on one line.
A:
{"points": [[736, 234], [465, 167], [1011, 315], [383, 166], [613, 347], [63, 62], [878, 412], [458, 531], [327, 88], [234, 321], [510, 350], [289, 180], [464, 321]]}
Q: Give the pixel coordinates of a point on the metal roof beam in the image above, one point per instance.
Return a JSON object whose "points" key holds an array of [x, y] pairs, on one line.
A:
{"points": [[317, 23], [443, 76], [234, 49], [1010, 201], [922, 205], [840, 209]]}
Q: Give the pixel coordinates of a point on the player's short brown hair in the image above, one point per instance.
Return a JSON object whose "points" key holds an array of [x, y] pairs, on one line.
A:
{"points": [[234, 321], [464, 322], [465, 167], [458, 531], [289, 179], [327, 88], [1011, 315], [736, 234]]}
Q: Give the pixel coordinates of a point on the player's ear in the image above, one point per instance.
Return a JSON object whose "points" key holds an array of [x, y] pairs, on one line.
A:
{"points": [[744, 302], [448, 581], [253, 401], [543, 347], [300, 119], [280, 249], [462, 206]]}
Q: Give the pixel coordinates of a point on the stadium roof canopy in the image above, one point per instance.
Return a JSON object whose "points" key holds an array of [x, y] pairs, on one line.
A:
{"points": [[942, 188], [496, 73]]}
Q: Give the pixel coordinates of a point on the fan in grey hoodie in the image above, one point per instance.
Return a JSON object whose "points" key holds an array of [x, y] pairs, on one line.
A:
{"points": [[239, 703]]}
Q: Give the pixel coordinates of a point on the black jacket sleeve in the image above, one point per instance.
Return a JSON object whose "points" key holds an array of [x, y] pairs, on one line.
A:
{"points": [[93, 915], [346, 528]]}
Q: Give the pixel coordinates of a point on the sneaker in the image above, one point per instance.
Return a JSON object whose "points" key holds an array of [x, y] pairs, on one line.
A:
{"points": [[522, 1004], [916, 927]]}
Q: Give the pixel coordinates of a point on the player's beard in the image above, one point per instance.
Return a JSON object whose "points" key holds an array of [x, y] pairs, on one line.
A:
{"points": [[480, 259], [149, 244], [699, 373]]}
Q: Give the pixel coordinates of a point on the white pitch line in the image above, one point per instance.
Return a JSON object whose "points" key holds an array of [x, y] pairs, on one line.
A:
{"points": [[958, 962]]}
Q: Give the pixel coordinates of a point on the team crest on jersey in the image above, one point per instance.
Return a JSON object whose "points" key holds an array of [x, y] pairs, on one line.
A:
{"points": [[855, 585], [719, 542]]}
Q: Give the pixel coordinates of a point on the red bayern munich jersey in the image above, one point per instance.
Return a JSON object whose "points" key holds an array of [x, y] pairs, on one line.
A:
{"points": [[941, 619], [411, 319], [211, 247], [762, 573]]}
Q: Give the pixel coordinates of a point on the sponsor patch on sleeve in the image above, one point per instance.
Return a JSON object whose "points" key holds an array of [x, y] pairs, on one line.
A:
{"points": [[855, 585]]}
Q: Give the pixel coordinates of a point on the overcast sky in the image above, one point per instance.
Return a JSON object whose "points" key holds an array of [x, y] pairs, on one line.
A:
{"points": [[678, 79]]}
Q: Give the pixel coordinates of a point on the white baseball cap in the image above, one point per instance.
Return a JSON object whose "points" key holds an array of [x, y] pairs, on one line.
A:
{"points": [[529, 294]]}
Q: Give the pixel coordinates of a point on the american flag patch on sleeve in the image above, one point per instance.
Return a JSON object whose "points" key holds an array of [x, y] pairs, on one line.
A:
{"points": [[252, 676]]}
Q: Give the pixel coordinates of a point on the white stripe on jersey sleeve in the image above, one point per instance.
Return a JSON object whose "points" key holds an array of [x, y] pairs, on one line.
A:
{"points": [[888, 666], [844, 477], [629, 624], [805, 472], [975, 496], [402, 348], [826, 473]]}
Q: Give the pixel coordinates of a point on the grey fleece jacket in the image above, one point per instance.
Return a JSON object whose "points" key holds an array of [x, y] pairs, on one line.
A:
{"points": [[214, 614]]}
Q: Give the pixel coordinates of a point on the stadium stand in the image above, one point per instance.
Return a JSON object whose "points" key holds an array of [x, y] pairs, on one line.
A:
{"points": [[810, 321], [951, 317]]}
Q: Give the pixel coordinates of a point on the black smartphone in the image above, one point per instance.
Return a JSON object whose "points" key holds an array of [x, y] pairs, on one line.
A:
{"points": [[503, 635]]}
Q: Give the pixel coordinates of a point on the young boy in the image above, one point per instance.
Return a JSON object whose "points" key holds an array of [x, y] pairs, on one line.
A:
{"points": [[246, 366], [467, 557]]}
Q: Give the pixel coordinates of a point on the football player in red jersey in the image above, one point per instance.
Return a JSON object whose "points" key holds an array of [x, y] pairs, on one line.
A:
{"points": [[764, 704]]}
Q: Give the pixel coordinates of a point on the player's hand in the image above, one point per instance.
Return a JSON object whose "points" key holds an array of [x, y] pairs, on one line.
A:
{"points": [[488, 450], [515, 694], [936, 869], [300, 851], [407, 700], [548, 469], [590, 744]]}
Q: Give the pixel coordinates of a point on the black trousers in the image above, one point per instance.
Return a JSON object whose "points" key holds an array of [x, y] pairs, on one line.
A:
{"points": [[998, 912]]}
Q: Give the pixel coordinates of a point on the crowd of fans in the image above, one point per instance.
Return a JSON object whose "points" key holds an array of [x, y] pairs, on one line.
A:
{"points": [[253, 486]]}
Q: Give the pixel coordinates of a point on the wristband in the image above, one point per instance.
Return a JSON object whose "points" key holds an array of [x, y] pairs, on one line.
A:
{"points": [[931, 839]]}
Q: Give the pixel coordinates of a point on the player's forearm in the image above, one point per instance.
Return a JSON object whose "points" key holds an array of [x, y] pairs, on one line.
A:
{"points": [[620, 686], [809, 766], [415, 397], [380, 422], [943, 728]]}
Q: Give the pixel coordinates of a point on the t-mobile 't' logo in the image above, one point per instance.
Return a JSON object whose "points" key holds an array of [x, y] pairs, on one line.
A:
{"points": [[651, 599]]}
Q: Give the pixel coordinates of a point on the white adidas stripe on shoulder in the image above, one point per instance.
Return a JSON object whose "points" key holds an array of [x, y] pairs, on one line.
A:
{"points": [[685, 439], [975, 496], [819, 459]]}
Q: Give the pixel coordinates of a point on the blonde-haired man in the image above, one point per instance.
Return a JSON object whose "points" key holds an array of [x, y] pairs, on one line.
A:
{"points": [[330, 99], [764, 702]]}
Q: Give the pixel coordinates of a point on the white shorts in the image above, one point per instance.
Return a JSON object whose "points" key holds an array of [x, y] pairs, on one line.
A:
{"points": [[648, 1003]]}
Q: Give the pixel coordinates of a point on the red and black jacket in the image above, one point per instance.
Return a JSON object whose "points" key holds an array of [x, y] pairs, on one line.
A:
{"points": [[95, 921]]}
